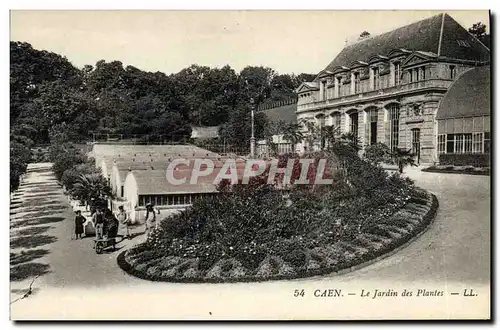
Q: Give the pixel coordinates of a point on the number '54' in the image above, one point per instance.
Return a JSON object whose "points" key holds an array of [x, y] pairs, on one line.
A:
{"points": [[299, 293]]}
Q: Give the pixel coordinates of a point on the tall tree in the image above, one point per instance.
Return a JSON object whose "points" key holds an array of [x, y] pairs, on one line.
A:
{"points": [[364, 35], [478, 30], [293, 134]]}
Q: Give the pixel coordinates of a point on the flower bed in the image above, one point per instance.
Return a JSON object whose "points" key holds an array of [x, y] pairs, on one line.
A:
{"points": [[258, 232], [376, 242]]}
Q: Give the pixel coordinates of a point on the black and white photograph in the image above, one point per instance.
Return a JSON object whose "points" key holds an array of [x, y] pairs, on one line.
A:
{"points": [[250, 165]]}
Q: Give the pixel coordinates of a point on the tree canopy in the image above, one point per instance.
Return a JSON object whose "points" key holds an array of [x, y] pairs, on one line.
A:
{"points": [[48, 92], [478, 30], [52, 100]]}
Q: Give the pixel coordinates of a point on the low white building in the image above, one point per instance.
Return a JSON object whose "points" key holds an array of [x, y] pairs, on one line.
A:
{"points": [[151, 186]]}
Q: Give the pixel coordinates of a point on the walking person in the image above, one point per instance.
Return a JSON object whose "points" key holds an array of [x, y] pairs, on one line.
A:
{"points": [[150, 218], [79, 221], [98, 223], [123, 222], [110, 224]]}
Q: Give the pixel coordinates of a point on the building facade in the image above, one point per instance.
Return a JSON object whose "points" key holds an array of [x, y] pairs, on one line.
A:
{"points": [[388, 88], [463, 120]]}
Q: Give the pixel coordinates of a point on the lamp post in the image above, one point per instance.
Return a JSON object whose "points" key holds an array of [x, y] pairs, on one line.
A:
{"points": [[252, 138]]}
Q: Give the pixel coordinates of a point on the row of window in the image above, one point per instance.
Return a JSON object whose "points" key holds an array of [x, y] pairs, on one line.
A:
{"points": [[371, 125], [356, 77], [464, 143], [165, 200], [414, 75]]}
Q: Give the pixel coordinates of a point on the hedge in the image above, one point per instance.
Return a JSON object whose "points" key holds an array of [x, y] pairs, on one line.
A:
{"points": [[424, 222], [476, 160]]}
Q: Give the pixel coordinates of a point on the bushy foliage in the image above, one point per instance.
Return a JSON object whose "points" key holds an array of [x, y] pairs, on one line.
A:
{"points": [[71, 175], [379, 153], [250, 222], [91, 189], [79, 176], [20, 155], [64, 156], [479, 160], [47, 91]]}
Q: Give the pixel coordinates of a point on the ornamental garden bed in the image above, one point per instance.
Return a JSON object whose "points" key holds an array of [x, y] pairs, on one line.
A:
{"points": [[257, 232], [471, 170]]}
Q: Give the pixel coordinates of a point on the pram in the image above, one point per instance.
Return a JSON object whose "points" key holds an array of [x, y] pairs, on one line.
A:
{"points": [[108, 240]]}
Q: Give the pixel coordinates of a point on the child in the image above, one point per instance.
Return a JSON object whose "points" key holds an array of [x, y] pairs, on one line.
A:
{"points": [[79, 221], [150, 218], [99, 223], [110, 224]]}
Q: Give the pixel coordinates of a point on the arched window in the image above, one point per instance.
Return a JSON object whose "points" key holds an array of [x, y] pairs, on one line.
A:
{"points": [[353, 122], [393, 111], [371, 125], [320, 120], [415, 143], [336, 119]]}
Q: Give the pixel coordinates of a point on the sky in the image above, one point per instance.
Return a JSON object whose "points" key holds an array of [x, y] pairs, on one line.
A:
{"points": [[168, 41]]}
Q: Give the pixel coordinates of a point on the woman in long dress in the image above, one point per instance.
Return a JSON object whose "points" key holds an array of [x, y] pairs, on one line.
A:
{"points": [[123, 222]]}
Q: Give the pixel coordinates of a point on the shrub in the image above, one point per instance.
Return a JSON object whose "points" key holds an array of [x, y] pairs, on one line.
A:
{"points": [[257, 224], [378, 153], [70, 176], [291, 250], [64, 156], [477, 160], [20, 155]]}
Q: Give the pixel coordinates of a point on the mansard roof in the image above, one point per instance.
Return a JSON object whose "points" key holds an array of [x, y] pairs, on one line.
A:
{"points": [[439, 34], [469, 95]]}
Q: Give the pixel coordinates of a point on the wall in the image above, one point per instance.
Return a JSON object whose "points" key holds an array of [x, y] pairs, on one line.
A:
{"points": [[165, 211], [442, 70], [308, 97]]}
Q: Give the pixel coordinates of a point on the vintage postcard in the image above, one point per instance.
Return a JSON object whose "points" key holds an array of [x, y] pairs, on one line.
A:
{"points": [[250, 165]]}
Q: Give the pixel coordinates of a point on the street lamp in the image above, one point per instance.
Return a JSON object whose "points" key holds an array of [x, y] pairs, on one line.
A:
{"points": [[252, 138]]}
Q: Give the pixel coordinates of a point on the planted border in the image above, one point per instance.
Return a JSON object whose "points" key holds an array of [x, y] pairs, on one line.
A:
{"points": [[181, 270], [451, 170]]}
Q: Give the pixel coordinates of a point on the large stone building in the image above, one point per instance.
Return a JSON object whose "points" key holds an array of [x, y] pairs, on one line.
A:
{"points": [[388, 88]]}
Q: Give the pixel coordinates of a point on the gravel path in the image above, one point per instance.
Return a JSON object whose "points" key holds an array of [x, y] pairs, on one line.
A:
{"points": [[453, 255]]}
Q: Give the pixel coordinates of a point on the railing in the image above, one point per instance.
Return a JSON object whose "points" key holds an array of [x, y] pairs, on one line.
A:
{"points": [[418, 85]]}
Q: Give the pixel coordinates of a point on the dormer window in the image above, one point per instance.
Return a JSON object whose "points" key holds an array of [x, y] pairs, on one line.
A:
{"points": [[463, 43], [338, 86], [357, 83], [397, 73]]}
